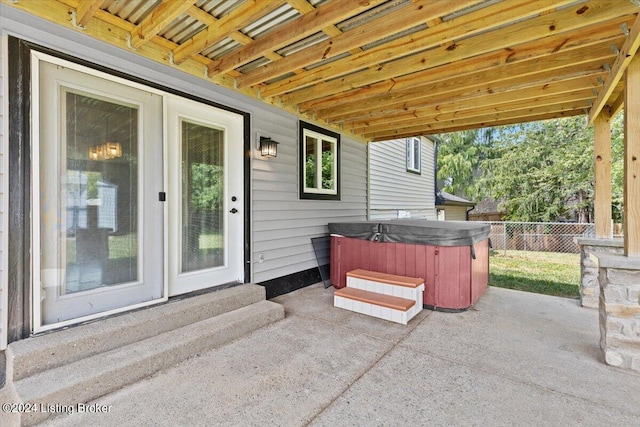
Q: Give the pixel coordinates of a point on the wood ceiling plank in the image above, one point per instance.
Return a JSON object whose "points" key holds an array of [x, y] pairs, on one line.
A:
{"points": [[462, 45], [159, 18], [85, 11], [626, 55], [115, 31], [366, 84], [241, 16], [412, 15], [502, 79], [306, 25]]}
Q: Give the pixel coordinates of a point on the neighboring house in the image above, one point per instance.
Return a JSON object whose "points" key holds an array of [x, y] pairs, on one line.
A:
{"points": [[258, 227], [401, 179], [453, 208]]}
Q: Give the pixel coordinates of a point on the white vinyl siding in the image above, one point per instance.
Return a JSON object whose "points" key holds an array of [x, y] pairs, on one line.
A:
{"points": [[393, 189], [3, 200], [281, 224]]}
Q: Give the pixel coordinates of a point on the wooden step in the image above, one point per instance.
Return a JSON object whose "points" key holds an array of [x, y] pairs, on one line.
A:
{"points": [[391, 279], [387, 307], [388, 301]]}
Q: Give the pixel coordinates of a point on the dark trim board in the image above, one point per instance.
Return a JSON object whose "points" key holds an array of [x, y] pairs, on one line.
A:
{"points": [[19, 209], [291, 282]]}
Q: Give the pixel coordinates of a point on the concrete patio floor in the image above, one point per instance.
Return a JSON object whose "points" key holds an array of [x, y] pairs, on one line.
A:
{"points": [[515, 359]]}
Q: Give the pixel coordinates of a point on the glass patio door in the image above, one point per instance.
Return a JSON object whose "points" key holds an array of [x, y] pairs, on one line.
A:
{"points": [[98, 221], [205, 196]]}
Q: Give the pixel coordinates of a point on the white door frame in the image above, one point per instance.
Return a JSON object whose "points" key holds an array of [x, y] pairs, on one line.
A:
{"points": [[244, 206], [232, 124], [37, 315]]}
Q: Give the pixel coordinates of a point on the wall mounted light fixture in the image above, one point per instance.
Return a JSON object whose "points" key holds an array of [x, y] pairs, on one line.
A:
{"points": [[268, 147]]}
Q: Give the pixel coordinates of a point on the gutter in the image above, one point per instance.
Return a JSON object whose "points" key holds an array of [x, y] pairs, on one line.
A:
{"points": [[469, 210]]}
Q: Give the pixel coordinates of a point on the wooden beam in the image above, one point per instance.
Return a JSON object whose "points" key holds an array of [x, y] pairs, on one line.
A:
{"points": [[85, 11], [298, 29], [631, 223], [602, 175], [159, 18], [384, 26], [426, 130], [428, 42], [241, 16], [627, 52], [617, 105], [387, 78]]}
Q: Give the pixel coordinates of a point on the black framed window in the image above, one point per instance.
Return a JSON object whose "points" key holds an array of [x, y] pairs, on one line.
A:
{"points": [[413, 155], [319, 163]]}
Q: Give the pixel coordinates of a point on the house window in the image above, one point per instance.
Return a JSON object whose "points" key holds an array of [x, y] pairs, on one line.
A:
{"points": [[413, 155], [319, 163]]}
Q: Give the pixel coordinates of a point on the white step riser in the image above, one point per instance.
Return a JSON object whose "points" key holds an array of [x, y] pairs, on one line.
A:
{"points": [[373, 310], [414, 294]]}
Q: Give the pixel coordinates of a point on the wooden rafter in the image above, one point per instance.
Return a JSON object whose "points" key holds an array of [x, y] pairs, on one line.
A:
{"points": [[412, 68], [383, 69], [241, 16], [381, 27], [431, 39], [85, 11], [504, 78], [627, 52], [166, 12], [308, 24]]}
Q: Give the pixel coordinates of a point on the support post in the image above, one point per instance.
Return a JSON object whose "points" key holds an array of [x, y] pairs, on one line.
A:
{"points": [[632, 159], [602, 173]]}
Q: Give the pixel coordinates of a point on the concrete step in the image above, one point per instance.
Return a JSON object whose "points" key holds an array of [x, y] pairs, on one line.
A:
{"points": [[31, 356], [89, 378]]}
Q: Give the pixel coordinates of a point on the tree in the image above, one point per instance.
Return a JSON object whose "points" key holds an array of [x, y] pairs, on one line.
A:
{"points": [[459, 155], [540, 170], [617, 177]]}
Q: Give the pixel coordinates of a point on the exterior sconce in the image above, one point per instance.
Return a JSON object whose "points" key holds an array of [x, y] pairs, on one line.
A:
{"points": [[268, 147]]}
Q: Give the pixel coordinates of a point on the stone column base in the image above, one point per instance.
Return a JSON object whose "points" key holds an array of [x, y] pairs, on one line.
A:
{"points": [[619, 278], [589, 285]]}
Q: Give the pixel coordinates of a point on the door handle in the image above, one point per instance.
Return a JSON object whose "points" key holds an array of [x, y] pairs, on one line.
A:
{"points": [[234, 210]]}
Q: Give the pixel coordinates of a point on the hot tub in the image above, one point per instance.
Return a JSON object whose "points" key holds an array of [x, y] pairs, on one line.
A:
{"points": [[451, 256]]}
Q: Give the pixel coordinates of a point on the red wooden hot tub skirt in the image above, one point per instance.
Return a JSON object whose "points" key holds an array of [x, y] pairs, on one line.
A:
{"points": [[454, 281]]}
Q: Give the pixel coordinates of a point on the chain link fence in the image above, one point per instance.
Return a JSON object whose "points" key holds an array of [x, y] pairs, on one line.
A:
{"points": [[538, 236]]}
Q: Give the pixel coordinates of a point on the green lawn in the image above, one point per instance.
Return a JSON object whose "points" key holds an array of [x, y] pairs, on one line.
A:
{"points": [[547, 273]]}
